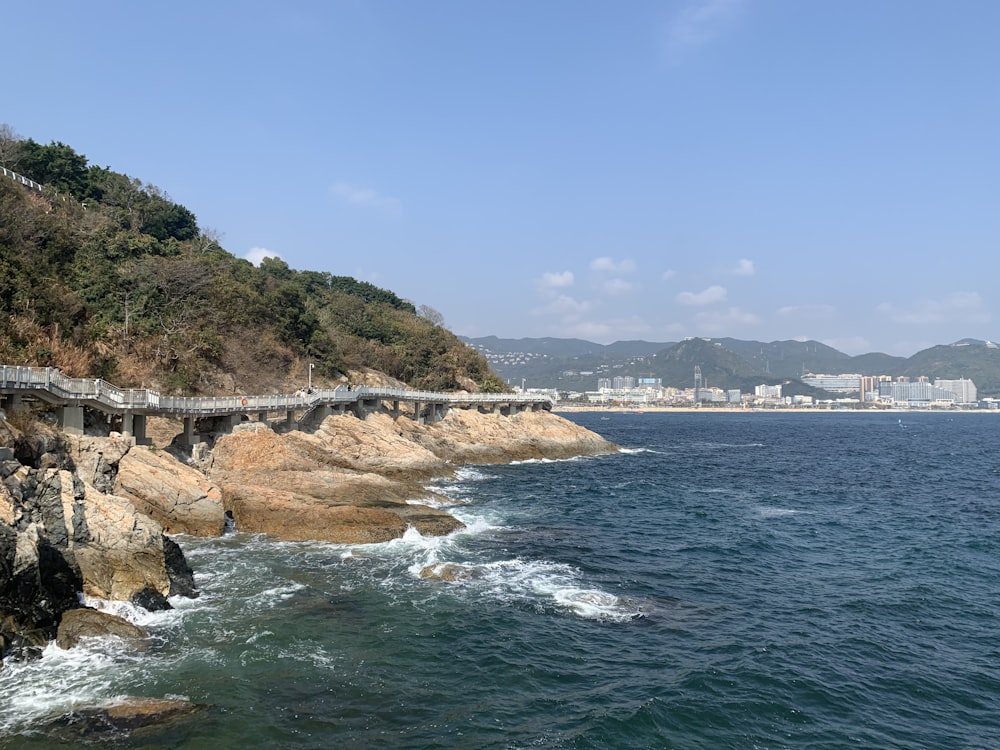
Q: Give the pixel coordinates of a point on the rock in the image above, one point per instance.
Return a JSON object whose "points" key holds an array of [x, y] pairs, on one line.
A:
{"points": [[97, 458], [467, 436], [295, 488], [123, 553], [176, 496], [450, 572], [85, 622], [125, 715]]}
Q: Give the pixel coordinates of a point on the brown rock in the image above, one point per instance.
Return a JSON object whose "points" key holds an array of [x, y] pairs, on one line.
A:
{"points": [[86, 622], [118, 549], [467, 436], [450, 572], [178, 497], [126, 714]]}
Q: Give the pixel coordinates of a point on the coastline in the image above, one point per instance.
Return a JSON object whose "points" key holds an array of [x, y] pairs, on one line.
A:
{"points": [[791, 410]]}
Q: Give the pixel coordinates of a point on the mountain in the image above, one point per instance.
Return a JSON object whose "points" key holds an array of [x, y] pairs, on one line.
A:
{"points": [[977, 361], [728, 363]]}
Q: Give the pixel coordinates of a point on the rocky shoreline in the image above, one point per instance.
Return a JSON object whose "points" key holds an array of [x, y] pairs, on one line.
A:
{"points": [[91, 517]]}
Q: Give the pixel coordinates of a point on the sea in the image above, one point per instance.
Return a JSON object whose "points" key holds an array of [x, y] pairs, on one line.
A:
{"points": [[727, 580]]}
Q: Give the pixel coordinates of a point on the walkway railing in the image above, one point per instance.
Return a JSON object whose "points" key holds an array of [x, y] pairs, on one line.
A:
{"points": [[22, 179], [48, 384]]}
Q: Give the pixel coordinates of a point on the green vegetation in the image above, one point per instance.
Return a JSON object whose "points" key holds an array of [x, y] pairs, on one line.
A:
{"points": [[104, 276]]}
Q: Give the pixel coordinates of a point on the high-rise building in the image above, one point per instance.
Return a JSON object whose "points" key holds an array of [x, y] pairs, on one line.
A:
{"points": [[964, 389]]}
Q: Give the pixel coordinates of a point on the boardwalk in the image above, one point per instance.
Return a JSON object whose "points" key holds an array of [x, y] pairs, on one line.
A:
{"points": [[131, 406]]}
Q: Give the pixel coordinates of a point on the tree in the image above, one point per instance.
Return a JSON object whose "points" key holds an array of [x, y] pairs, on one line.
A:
{"points": [[9, 141], [429, 313], [56, 165]]}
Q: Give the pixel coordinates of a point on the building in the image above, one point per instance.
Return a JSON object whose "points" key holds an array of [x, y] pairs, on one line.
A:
{"points": [[847, 383], [920, 393], [767, 391], [964, 389]]}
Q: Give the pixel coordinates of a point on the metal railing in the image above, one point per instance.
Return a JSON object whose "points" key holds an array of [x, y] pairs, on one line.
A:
{"points": [[49, 382], [22, 179]]}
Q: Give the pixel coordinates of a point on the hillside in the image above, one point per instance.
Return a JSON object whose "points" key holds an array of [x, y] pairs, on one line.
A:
{"points": [[727, 363], [102, 275]]}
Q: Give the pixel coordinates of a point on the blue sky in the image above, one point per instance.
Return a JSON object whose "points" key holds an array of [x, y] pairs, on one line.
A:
{"points": [[761, 169]]}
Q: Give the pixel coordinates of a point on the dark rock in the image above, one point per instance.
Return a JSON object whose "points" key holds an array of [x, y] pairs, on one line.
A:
{"points": [[180, 573], [151, 599], [126, 715]]}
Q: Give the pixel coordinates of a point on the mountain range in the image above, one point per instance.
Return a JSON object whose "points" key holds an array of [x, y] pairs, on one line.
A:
{"points": [[576, 364]]}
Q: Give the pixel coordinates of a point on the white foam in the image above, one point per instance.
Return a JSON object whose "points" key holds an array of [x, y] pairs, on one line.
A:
{"points": [[541, 582], [772, 512]]}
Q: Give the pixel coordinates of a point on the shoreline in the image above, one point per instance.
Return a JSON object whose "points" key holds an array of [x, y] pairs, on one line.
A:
{"points": [[790, 410]]}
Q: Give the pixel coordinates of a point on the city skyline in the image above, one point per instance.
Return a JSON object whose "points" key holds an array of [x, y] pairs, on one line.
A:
{"points": [[655, 171]]}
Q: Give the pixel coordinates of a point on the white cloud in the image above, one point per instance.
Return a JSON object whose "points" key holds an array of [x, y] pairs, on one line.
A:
{"points": [[617, 287], [257, 254], [610, 265], [744, 268], [699, 22], [705, 297], [555, 280], [966, 307], [669, 274], [808, 312], [720, 322], [603, 331], [364, 197], [563, 306]]}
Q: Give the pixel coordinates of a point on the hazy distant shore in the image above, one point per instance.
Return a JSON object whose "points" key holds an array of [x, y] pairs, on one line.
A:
{"points": [[789, 410]]}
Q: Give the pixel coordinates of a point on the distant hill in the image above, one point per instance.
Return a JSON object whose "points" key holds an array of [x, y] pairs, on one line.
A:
{"points": [[726, 362]]}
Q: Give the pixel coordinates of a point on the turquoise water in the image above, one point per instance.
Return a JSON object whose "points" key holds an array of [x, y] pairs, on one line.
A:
{"points": [[729, 581]]}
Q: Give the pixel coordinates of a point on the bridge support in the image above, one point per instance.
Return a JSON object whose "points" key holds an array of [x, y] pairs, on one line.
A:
{"points": [[134, 426], [71, 419], [13, 403], [188, 437], [139, 430], [436, 412], [262, 416]]}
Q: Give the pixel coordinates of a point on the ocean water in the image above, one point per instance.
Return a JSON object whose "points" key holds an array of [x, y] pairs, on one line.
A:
{"points": [[727, 581]]}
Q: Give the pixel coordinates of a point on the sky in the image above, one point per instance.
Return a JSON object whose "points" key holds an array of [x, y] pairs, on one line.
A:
{"points": [[759, 169]]}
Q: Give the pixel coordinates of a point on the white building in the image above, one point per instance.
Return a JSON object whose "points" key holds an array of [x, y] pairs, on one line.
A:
{"points": [[846, 383], [963, 388]]}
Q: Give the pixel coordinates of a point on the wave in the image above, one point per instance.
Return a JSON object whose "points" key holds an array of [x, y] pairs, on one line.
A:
{"points": [[540, 583], [767, 511]]}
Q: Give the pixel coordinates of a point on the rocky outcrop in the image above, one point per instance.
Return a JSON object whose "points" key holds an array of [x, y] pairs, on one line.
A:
{"points": [[469, 437], [297, 487], [355, 480], [60, 536], [178, 497]]}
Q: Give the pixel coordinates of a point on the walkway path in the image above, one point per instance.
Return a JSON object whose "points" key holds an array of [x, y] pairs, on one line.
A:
{"points": [[134, 405]]}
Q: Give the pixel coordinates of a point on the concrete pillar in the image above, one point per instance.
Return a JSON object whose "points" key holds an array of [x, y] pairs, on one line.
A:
{"points": [[418, 417], [188, 437], [139, 430], [262, 416], [15, 403], [290, 419], [71, 419], [127, 422], [395, 409]]}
